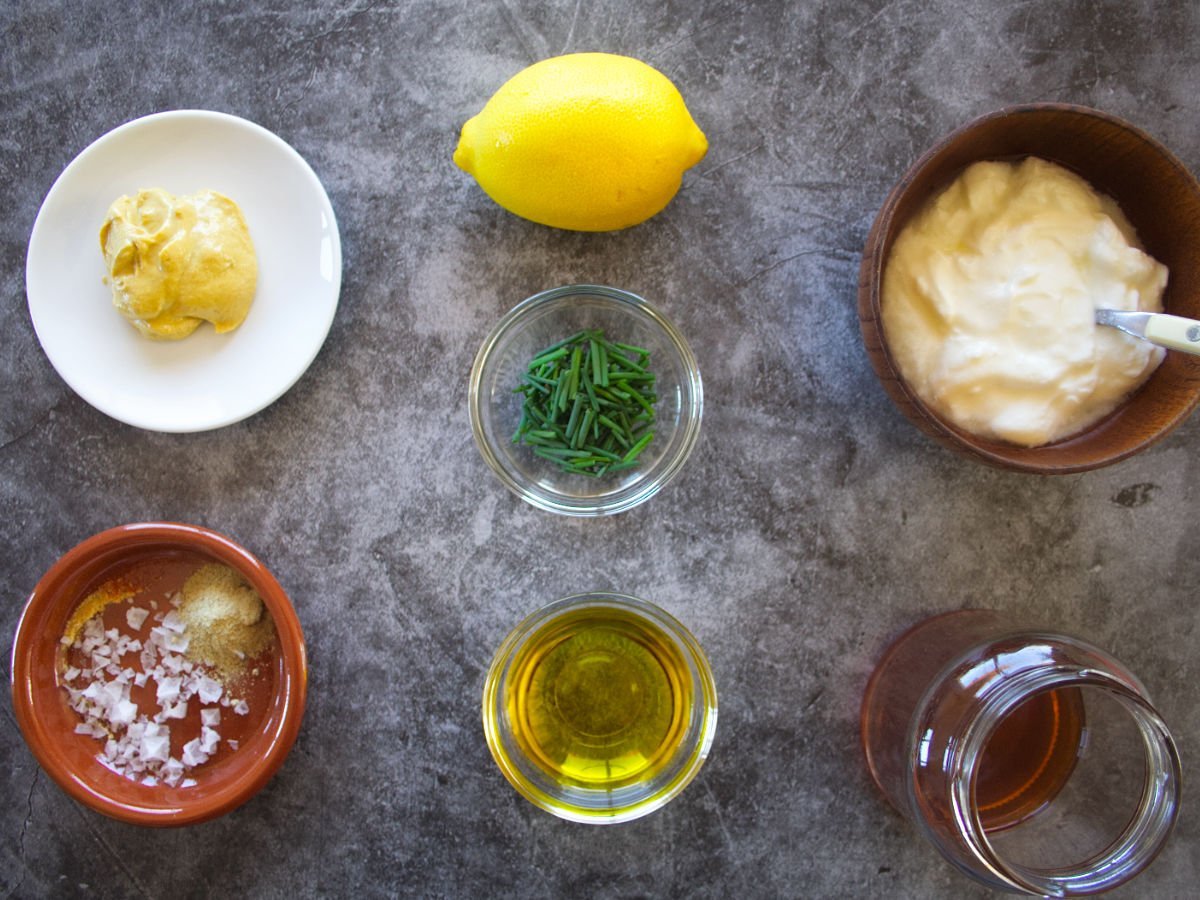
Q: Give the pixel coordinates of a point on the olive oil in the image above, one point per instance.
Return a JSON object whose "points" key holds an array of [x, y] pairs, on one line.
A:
{"points": [[599, 699]]}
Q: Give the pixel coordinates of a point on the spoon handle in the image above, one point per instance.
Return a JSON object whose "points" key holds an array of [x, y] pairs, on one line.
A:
{"points": [[1172, 332]]}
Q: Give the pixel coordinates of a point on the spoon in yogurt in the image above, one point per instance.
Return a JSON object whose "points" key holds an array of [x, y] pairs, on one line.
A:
{"points": [[1172, 332]]}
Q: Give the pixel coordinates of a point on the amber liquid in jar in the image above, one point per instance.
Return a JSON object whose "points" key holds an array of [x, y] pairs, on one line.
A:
{"points": [[1030, 754], [974, 727], [1029, 758]]}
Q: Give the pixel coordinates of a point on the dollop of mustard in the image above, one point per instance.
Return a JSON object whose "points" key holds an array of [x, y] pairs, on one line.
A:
{"points": [[177, 261]]}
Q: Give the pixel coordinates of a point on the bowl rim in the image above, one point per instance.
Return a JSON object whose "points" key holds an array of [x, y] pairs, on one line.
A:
{"points": [[291, 691], [649, 482], [676, 631], [870, 283]]}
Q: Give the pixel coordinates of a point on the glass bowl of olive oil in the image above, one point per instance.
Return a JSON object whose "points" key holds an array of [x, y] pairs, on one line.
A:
{"points": [[599, 708]]}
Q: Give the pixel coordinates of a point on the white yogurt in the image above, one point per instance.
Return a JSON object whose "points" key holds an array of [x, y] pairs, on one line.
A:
{"points": [[988, 302]]}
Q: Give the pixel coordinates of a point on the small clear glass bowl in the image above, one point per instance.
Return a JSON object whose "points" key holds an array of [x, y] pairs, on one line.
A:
{"points": [[513, 709], [544, 319]]}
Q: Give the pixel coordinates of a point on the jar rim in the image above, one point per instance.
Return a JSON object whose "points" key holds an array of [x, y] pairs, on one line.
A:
{"points": [[1143, 837]]}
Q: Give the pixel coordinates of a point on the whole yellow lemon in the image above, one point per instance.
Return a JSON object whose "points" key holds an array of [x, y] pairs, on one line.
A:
{"points": [[586, 141]]}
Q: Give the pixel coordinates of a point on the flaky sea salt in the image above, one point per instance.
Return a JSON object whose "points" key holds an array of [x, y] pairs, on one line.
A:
{"points": [[193, 754], [209, 739], [210, 690], [124, 712], [137, 745], [168, 690], [177, 710], [177, 643]]}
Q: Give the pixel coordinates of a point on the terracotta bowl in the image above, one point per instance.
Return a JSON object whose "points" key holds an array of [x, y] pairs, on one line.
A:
{"points": [[1162, 201], [48, 723]]}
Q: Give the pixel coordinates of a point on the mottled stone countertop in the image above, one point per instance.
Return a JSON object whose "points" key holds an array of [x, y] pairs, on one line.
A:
{"points": [[812, 523]]}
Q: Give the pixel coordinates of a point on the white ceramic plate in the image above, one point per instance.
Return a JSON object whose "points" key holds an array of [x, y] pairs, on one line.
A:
{"points": [[207, 380]]}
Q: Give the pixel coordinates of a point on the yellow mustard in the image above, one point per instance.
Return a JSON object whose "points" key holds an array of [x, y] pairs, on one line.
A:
{"points": [[175, 262]]}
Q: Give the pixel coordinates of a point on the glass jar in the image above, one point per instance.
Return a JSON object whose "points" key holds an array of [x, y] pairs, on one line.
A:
{"points": [[1034, 761]]}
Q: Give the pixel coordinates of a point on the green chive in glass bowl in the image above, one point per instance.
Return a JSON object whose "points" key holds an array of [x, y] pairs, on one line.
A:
{"points": [[535, 438]]}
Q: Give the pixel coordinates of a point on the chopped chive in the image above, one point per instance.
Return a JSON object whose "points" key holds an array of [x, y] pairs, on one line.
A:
{"points": [[594, 353], [558, 455], [622, 466], [574, 420], [632, 376], [631, 348], [600, 451], [585, 402], [638, 447], [588, 460], [561, 394], [616, 430], [603, 363], [556, 346], [626, 361], [573, 378], [548, 357], [637, 396], [537, 440], [584, 428]]}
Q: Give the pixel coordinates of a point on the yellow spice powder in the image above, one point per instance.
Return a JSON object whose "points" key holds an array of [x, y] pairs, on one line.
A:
{"points": [[110, 592], [227, 624]]}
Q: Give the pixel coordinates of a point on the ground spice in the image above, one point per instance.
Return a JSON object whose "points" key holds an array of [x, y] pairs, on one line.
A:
{"points": [[113, 591], [227, 624]]}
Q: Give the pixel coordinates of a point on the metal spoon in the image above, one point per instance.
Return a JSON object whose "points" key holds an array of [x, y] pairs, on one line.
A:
{"points": [[1172, 332]]}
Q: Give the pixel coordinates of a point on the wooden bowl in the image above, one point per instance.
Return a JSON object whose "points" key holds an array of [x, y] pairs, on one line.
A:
{"points": [[1162, 201], [48, 723]]}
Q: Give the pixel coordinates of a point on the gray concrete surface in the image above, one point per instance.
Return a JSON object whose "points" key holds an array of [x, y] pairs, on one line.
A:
{"points": [[812, 523]]}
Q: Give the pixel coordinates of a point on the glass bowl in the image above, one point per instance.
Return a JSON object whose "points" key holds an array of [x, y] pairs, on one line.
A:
{"points": [[599, 708], [152, 557], [545, 319]]}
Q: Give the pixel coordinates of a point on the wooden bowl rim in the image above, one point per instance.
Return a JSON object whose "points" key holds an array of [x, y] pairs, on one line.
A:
{"points": [[995, 453]]}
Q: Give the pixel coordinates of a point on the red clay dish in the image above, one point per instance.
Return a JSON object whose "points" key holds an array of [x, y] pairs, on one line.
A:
{"points": [[48, 723]]}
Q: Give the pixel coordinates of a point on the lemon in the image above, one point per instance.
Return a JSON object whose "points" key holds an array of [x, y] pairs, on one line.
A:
{"points": [[586, 141]]}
